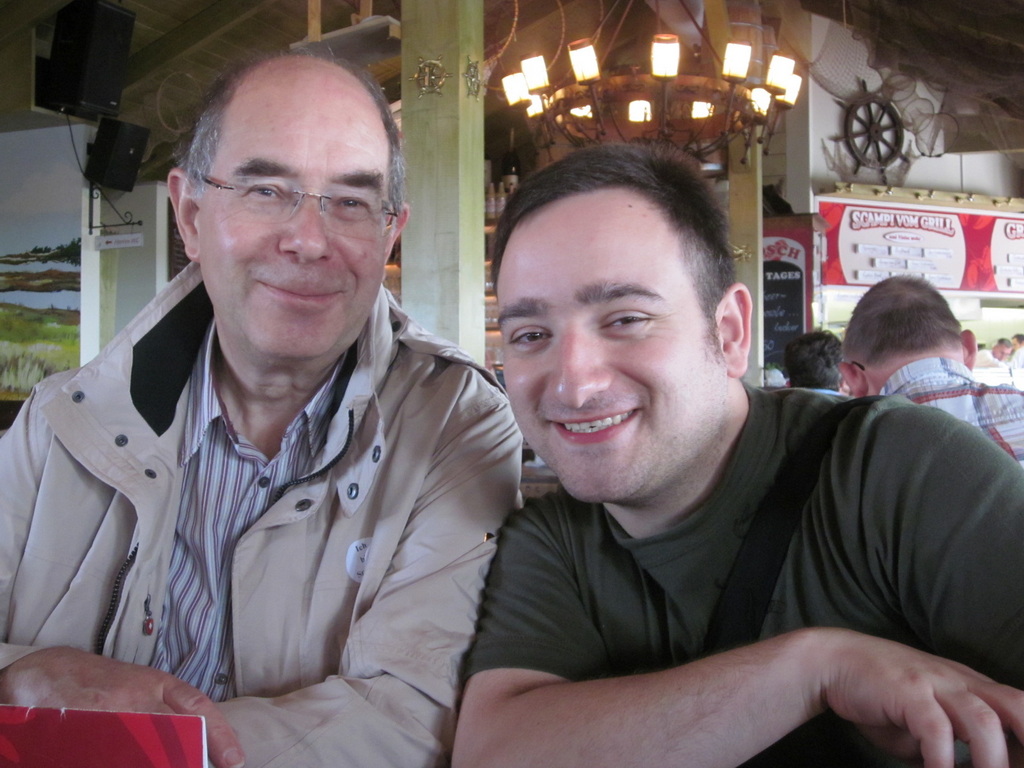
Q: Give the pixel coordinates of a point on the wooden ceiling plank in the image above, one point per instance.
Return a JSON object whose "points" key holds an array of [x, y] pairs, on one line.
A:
{"points": [[193, 34], [20, 15], [716, 18]]}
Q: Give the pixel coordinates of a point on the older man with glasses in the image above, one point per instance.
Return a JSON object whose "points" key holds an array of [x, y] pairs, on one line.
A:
{"points": [[270, 500]]}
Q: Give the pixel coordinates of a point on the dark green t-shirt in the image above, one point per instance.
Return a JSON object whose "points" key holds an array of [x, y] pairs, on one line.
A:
{"points": [[914, 532]]}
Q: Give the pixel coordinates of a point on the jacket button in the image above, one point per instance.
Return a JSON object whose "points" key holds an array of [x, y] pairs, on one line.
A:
{"points": [[78, 397], [151, 473], [376, 453], [353, 490], [303, 505], [121, 441]]}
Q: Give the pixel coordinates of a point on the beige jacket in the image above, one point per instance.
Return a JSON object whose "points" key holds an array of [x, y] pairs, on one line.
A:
{"points": [[353, 597]]}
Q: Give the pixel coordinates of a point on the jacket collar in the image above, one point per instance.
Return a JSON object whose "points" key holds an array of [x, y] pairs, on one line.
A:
{"points": [[167, 339]]}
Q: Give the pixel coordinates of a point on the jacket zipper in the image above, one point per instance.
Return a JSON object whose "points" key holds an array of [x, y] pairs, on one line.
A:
{"points": [[115, 600], [325, 468]]}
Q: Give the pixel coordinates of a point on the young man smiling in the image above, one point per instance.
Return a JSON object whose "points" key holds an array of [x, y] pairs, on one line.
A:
{"points": [[269, 500], [625, 342]]}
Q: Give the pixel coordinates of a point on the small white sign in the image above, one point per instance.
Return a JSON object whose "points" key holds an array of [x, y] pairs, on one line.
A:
{"points": [[103, 242]]}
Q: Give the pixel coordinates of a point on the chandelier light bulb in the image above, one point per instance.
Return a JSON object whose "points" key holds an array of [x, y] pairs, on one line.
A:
{"points": [[536, 72], [583, 58], [640, 111], [702, 110], [516, 90], [535, 107], [737, 62], [788, 98], [780, 69], [762, 100], [665, 56]]}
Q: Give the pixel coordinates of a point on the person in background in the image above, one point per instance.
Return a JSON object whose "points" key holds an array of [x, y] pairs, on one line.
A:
{"points": [[270, 500], [626, 339], [903, 339], [996, 357], [812, 362], [1017, 356]]}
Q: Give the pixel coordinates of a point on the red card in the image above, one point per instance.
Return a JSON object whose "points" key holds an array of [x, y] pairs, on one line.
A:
{"points": [[36, 737]]}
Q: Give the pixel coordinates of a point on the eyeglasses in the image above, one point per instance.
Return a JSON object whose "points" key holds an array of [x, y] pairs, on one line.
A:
{"points": [[272, 202]]}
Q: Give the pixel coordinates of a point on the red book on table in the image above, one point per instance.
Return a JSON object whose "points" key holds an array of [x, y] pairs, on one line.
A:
{"points": [[37, 737]]}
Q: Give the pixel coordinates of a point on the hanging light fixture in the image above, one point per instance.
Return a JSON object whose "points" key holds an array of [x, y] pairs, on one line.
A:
{"points": [[699, 102]]}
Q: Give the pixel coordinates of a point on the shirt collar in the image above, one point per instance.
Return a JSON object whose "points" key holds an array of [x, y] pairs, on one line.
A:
{"points": [[918, 371], [204, 406]]}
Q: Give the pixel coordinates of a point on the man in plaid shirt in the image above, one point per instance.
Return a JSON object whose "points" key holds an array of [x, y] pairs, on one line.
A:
{"points": [[904, 340]]}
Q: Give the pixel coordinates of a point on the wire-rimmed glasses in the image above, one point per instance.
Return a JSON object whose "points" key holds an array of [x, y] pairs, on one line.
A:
{"points": [[343, 214]]}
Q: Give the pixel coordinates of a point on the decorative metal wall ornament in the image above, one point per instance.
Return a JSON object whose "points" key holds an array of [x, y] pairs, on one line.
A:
{"points": [[472, 75], [742, 254], [430, 76]]}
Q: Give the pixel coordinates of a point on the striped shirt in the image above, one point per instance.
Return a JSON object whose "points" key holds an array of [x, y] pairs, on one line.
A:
{"points": [[947, 384], [227, 485]]}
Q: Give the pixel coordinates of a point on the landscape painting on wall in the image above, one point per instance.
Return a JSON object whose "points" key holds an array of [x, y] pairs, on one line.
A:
{"points": [[40, 260], [39, 315]]}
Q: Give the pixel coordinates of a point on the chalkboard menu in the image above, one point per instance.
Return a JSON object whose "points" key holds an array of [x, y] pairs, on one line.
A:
{"points": [[783, 307]]}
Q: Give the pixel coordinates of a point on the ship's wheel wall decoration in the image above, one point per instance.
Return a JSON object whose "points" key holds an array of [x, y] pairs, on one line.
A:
{"points": [[873, 132]]}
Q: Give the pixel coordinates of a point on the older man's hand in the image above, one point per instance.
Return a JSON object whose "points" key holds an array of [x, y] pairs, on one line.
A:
{"points": [[67, 677]]}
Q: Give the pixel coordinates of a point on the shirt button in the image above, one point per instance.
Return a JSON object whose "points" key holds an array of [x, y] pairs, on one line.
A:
{"points": [[121, 441], [376, 453], [150, 473], [263, 482], [221, 679], [353, 490], [78, 397], [303, 505]]}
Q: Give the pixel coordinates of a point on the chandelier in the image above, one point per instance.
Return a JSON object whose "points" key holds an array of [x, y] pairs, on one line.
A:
{"points": [[690, 101]]}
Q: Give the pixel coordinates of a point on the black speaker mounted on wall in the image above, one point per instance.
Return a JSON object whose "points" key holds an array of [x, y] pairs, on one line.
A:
{"points": [[116, 154], [88, 60]]}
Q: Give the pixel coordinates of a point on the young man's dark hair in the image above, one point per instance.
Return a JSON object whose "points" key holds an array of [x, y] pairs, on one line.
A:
{"points": [[812, 360], [662, 173]]}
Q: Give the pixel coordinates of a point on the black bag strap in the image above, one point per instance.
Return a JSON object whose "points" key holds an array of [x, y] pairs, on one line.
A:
{"points": [[744, 601]]}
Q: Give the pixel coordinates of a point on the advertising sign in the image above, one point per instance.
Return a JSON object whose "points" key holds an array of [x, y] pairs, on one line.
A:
{"points": [[956, 250], [788, 269]]}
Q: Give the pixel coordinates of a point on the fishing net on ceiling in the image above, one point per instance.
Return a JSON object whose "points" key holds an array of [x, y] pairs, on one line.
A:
{"points": [[969, 54]]}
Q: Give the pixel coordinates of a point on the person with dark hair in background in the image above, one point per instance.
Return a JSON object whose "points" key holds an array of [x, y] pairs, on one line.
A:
{"points": [[723, 563], [270, 500], [903, 339], [812, 362]]}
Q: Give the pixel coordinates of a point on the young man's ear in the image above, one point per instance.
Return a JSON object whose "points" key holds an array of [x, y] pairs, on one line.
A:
{"points": [[179, 190], [734, 332]]}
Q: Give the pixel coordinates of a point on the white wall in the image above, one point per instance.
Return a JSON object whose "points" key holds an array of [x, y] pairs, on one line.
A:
{"points": [[117, 282]]}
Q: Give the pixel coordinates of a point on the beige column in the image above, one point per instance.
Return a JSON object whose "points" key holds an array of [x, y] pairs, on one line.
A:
{"points": [[746, 228], [745, 211], [443, 244]]}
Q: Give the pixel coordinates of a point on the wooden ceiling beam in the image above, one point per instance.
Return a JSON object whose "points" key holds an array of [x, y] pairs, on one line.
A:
{"points": [[20, 15], [190, 36], [716, 18]]}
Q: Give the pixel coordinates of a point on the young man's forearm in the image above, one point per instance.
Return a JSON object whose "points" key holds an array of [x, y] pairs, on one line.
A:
{"points": [[720, 711]]}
